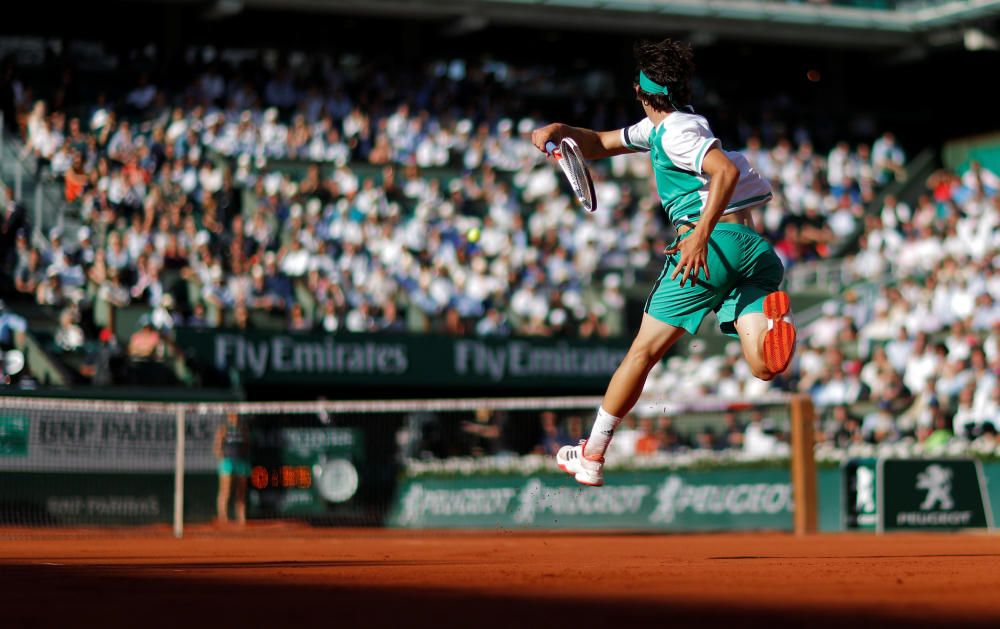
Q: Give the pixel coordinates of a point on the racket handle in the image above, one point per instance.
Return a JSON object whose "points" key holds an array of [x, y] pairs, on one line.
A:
{"points": [[550, 148]]}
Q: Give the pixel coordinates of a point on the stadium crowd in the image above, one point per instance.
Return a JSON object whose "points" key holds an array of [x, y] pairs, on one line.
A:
{"points": [[417, 208], [306, 200]]}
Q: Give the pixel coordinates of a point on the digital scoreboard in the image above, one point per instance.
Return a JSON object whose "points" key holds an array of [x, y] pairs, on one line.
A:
{"points": [[304, 472], [281, 477]]}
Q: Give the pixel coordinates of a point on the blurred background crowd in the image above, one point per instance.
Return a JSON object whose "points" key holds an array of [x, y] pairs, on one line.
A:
{"points": [[312, 195], [333, 208]]}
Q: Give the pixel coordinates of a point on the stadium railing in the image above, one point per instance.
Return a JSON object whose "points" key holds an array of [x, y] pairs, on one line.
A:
{"points": [[42, 199]]}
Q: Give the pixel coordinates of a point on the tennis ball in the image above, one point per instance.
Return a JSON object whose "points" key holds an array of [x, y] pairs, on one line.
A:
{"points": [[472, 235]]}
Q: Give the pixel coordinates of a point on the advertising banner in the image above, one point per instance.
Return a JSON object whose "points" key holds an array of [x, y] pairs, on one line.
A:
{"points": [[103, 441], [859, 505], [932, 494], [411, 360], [730, 499]]}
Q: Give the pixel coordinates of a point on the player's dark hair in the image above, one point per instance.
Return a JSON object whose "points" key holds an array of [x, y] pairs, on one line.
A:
{"points": [[669, 63]]}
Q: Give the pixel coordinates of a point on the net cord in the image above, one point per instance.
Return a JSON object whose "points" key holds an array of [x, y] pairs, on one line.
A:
{"points": [[372, 406]]}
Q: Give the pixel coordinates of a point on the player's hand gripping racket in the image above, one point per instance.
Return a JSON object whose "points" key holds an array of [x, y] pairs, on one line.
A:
{"points": [[571, 161]]}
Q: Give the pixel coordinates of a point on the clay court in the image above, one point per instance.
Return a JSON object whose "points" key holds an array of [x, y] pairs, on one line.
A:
{"points": [[279, 576]]}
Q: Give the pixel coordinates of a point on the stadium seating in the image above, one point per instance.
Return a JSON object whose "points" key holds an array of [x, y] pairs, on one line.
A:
{"points": [[282, 205]]}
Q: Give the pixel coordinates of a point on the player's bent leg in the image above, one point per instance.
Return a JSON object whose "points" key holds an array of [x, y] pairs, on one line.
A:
{"points": [[585, 461], [768, 337]]}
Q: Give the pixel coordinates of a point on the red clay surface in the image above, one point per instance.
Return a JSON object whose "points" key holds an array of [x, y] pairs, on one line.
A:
{"points": [[289, 576]]}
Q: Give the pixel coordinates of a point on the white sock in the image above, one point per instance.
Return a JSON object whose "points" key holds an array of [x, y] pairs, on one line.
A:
{"points": [[600, 434]]}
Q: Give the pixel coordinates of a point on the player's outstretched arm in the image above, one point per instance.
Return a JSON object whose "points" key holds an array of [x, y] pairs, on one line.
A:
{"points": [[593, 144]]}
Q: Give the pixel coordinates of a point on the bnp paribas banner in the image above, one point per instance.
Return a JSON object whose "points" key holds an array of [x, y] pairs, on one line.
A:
{"points": [[747, 499], [46, 440], [420, 360]]}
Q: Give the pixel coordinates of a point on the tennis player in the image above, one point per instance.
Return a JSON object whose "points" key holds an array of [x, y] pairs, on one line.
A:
{"points": [[717, 263]]}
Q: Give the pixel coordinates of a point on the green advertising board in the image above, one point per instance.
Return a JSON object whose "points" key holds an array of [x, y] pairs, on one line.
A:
{"points": [[859, 506], [943, 494], [14, 436], [101, 498], [404, 360], [709, 500]]}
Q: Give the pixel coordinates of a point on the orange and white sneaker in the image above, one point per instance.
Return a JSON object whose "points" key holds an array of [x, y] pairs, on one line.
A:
{"points": [[586, 471], [779, 340]]}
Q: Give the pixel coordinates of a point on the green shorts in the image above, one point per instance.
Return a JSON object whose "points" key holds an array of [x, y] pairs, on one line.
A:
{"points": [[234, 467], [744, 269]]}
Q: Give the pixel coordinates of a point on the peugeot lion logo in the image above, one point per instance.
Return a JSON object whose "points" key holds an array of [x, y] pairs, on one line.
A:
{"points": [[936, 480]]}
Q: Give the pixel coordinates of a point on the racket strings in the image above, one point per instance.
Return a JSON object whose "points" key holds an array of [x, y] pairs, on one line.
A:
{"points": [[578, 176]]}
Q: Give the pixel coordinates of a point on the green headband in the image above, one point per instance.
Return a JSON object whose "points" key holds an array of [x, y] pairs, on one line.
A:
{"points": [[650, 86]]}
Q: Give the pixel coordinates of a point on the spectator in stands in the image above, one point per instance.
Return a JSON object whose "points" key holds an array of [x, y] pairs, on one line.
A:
{"points": [[29, 272], [978, 178], [825, 331], [841, 428], [111, 295], [667, 435], [99, 364], [485, 432], [888, 159], [198, 318], [241, 318], [989, 411], [390, 320], [164, 316], [493, 324], [647, 442], [941, 434], [706, 439], [879, 425], [552, 437], [297, 321], [621, 448], [50, 292], [146, 343], [13, 328], [732, 432], [759, 439], [839, 386], [920, 411], [967, 422], [13, 225], [69, 337]]}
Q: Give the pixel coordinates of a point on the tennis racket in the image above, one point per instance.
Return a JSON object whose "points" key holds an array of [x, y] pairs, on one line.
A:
{"points": [[575, 168]]}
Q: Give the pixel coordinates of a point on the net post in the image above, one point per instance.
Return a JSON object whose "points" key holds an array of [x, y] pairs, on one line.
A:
{"points": [[179, 474], [803, 465]]}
